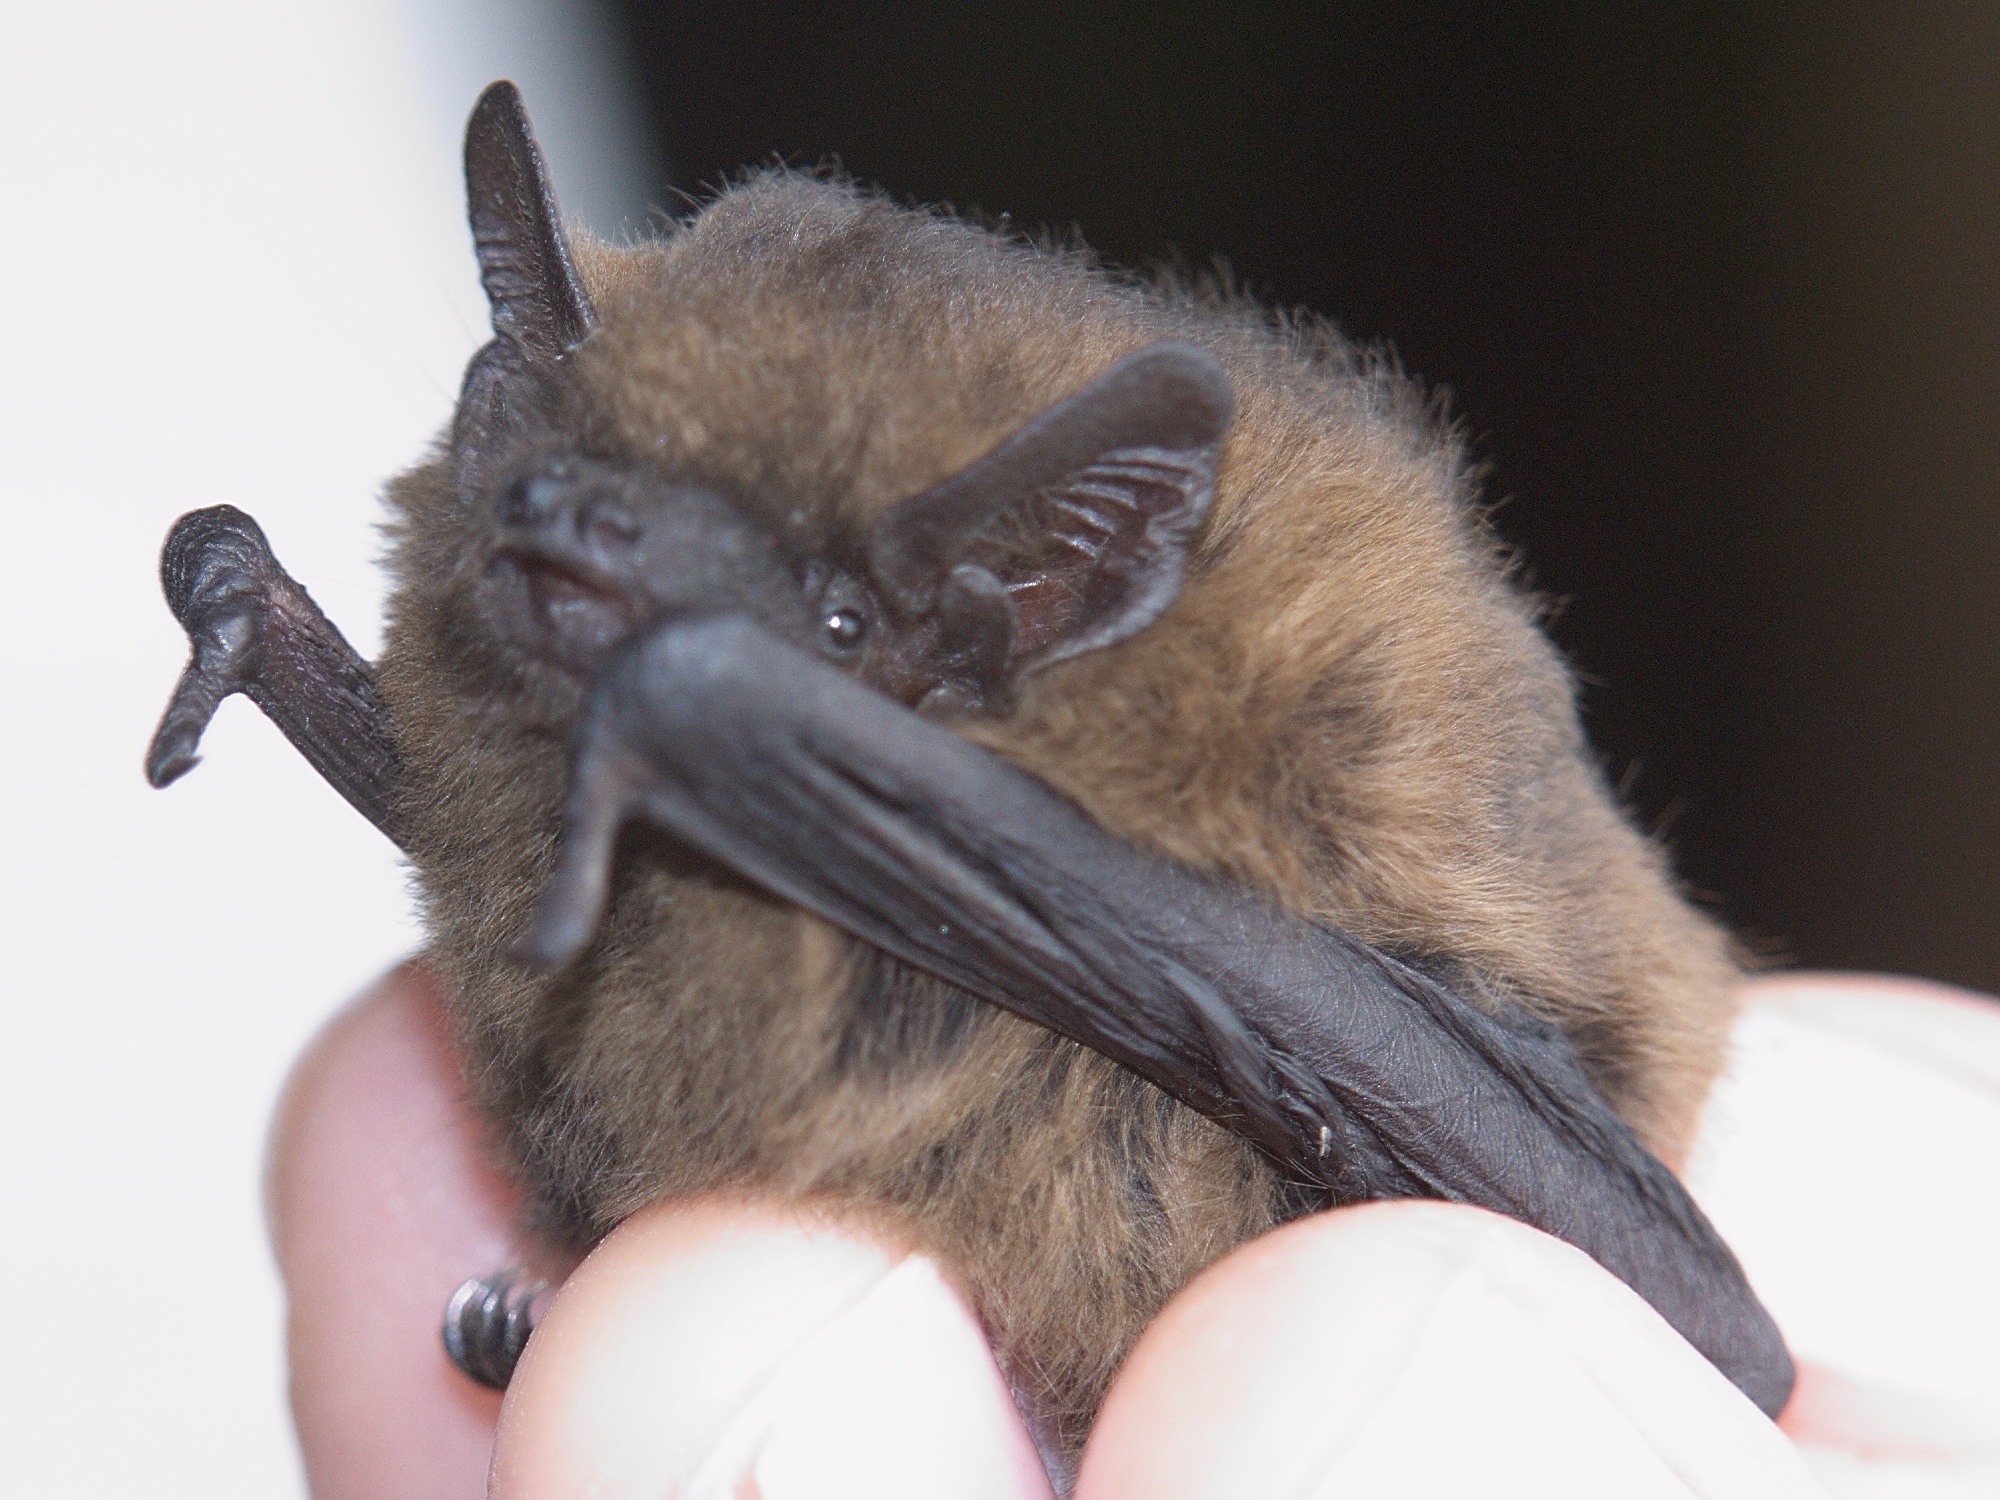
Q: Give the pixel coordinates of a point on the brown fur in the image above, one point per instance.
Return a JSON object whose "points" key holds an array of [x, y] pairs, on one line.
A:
{"points": [[1350, 707]]}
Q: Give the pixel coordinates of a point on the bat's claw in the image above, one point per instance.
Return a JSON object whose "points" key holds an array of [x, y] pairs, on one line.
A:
{"points": [[566, 918], [213, 569], [221, 665], [172, 753], [610, 776], [569, 913], [487, 1324]]}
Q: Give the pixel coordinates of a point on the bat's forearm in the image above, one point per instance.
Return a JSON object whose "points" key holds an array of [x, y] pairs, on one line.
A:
{"points": [[254, 630], [1350, 1069]]}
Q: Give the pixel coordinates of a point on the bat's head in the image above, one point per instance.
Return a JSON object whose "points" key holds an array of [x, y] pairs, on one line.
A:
{"points": [[943, 459], [623, 457]]}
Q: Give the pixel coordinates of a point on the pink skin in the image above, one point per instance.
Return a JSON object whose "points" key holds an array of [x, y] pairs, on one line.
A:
{"points": [[378, 1201], [799, 1317]]}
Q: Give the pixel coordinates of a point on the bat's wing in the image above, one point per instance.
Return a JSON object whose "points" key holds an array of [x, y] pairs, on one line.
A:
{"points": [[1352, 1070], [252, 629], [1355, 1072]]}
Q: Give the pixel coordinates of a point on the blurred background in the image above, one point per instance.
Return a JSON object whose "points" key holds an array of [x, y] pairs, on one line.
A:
{"points": [[1716, 288]]}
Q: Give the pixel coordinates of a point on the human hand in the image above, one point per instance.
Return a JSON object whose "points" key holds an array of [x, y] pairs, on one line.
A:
{"points": [[736, 1347]]}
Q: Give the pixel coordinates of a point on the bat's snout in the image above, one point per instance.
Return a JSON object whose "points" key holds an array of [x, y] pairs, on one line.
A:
{"points": [[585, 550]]}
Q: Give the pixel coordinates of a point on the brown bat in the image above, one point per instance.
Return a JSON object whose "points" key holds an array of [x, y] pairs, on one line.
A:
{"points": [[1056, 758]]}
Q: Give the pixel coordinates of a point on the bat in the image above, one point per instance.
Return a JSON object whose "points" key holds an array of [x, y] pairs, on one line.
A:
{"points": [[884, 709]]}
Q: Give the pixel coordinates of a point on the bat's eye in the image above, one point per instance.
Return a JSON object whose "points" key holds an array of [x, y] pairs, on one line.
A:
{"points": [[845, 628]]}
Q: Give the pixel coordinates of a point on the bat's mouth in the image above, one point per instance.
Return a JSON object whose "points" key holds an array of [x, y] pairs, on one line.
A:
{"points": [[560, 608]]}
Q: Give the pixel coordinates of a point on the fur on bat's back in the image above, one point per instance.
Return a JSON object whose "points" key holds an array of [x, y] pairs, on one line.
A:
{"points": [[1350, 707]]}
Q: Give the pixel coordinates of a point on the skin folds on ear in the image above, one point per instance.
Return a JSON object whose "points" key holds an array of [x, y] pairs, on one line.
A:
{"points": [[1072, 534]]}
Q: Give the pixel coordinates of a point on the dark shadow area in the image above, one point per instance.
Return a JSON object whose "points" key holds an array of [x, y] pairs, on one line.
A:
{"points": [[1717, 290]]}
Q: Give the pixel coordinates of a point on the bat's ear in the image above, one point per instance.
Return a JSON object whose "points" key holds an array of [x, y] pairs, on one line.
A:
{"points": [[524, 261], [1073, 533]]}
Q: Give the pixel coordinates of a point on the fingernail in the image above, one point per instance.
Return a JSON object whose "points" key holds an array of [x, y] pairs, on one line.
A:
{"points": [[740, 1350], [896, 1399]]}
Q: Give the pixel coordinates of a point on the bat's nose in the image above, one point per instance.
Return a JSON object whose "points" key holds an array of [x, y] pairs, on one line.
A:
{"points": [[592, 532], [570, 513], [532, 499], [606, 527]]}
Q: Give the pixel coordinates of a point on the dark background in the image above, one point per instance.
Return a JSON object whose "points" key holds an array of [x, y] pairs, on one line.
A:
{"points": [[1716, 287]]}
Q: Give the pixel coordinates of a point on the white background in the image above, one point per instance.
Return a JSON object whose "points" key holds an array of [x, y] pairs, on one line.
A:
{"points": [[235, 269]]}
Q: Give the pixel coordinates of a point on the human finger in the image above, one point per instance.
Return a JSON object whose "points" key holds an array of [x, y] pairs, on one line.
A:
{"points": [[380, 1202], [1424, 1349], [730, 1347], [1847, 1156]]}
